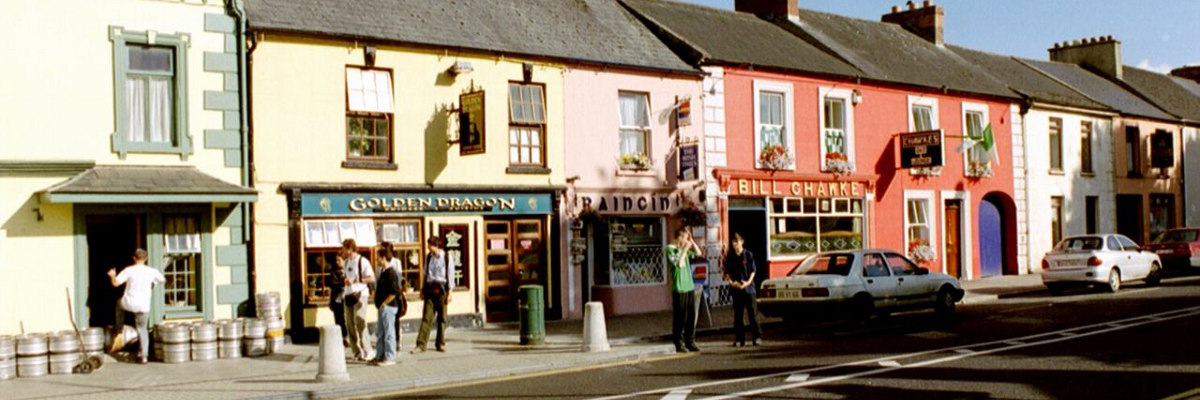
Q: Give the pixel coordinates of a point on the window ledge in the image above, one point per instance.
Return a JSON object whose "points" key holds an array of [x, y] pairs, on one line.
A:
{"points": [[181, 314], [1056, 172], [1087, 174], [527, 169], [641, 173], [370, 165]]}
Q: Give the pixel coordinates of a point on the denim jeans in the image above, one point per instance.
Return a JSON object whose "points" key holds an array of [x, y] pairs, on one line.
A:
{"points": [[142, 320], [385, 334]]}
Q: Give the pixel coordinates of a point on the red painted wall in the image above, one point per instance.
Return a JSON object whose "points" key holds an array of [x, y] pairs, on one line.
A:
{"points": [[882, 113]]}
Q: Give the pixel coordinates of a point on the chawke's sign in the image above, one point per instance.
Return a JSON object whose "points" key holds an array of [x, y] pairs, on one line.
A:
{"points": [[333, 204], [921, 149]]}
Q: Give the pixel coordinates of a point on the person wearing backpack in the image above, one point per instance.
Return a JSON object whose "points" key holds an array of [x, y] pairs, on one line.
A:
{"points": [[389, 295], [435, 290], [358, 276]]}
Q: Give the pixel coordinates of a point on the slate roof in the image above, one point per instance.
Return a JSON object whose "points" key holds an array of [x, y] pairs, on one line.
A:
{"points": [[1029, 82], [887, 52], [592, 31], [711, 35], [1190, 85], [1101, 89], [121, 179], [1164, 92]]}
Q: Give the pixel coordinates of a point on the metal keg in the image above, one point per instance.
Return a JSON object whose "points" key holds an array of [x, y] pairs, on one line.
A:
{"points": [[229, 329], [255, 347], [204, 351], [64, 342], [32, 366], [8, 357], [63, 363], [204, 333], [93, 341], [274, 328], [8, 368], [231, 348], [176, 333], [268, 305], [32, 344], [175, 353], [177, 346], [275, 344], [255, 329]]}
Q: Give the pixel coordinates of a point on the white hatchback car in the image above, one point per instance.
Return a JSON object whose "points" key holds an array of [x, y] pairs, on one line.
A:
{"points": [[1103, 260], [855, 285]]}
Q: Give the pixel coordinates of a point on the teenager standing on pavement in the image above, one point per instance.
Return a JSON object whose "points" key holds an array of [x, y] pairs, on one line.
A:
{"points": [[138, 279], [388, 295], [435, 290], [358, 276], [683, 291], [739, 273]]}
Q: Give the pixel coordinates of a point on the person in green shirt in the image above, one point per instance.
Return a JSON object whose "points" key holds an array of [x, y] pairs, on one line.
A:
{"points": [[683, 292]]}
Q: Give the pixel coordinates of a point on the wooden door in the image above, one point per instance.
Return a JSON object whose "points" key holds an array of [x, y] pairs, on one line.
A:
{"points": [[499, 255], [953, 251]]}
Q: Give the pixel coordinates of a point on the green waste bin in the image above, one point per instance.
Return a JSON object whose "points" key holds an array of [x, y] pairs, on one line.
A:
{"points": [[533, 315]]}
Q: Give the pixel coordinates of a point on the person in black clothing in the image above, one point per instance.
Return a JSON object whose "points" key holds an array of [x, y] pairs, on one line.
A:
{"points": [[389, 292], [335, 280], [739, 272]]}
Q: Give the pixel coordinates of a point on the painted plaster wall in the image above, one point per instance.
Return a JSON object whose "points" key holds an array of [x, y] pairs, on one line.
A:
{"points": [[305, 141], [1153, 181], [593, 152], [1071, 183], [882, 113], [28, 248], [1191, 162]]}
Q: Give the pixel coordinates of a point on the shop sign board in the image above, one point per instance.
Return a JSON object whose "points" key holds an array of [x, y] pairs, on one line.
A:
{"points": [[921, 149], [744, 187], [342, 204], [683, 115], [628, 203], [471, 130], [1162, 149], [689, 162]]}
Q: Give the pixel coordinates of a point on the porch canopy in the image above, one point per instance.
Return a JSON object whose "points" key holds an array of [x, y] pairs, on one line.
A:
{"points": [[146, 184]]}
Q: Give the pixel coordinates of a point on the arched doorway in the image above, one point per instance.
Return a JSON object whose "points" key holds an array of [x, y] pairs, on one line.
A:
{"points": [[997, 247]]}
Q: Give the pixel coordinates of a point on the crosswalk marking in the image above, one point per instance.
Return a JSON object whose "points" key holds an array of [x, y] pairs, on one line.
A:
{"points": [[889, 363], [796, 378], [964, 351], [677, 394]]}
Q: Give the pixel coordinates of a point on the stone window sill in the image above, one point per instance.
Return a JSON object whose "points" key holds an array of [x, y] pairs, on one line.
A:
{"points": [[527, 170], [370, 165], [641, 173]]}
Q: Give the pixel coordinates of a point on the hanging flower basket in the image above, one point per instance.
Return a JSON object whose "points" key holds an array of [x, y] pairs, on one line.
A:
{"points": [[589, 215], [691, 215], [838, 163], [635, 162], [775, 157], [921, 252]]}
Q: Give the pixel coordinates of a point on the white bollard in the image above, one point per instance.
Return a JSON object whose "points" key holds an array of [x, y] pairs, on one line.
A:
{"points": [[595, 333], [332, 356]]}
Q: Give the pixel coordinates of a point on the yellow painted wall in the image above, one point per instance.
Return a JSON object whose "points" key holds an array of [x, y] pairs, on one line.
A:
{"points": [[36, 258], [299, 132]]}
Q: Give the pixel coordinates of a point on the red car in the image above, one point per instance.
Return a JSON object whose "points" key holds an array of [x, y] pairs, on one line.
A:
{"points": [[1178, 248]]}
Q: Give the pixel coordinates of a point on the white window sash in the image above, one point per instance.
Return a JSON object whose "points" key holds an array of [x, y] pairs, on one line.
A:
{"points": [[845, 133], [369, 90]]}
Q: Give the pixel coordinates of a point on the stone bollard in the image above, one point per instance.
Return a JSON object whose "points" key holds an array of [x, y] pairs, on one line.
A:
{"points": [[332, 356], [595, 333]]}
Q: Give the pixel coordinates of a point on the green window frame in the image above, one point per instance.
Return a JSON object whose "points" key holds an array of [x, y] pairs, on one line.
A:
{"points": [[179, 141]]}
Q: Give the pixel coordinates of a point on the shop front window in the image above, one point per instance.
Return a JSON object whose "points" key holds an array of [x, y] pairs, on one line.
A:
{"points": [[1162, 213], [635, 252], [322, 240], [405, 238], [181, 236], [803, 226]]}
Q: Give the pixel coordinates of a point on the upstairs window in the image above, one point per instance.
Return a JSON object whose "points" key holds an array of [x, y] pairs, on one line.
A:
{"points": [[773, 120], [1055, 134], [527, 125], [1133, 151], [634, 130], [1085, 147], [150, 92], [981, 140], [368, 116], [837, 131]]}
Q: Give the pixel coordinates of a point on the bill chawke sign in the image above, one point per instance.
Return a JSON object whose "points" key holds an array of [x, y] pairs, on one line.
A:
{"points": [[921, 149]]}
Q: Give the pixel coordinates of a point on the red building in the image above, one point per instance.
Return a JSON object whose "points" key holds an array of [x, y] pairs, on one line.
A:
{"points": [[804, 113]]}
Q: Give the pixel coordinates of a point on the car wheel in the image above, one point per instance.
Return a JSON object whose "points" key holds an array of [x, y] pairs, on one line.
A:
{"points": [[1055, 288], [945, 304], [861, 308], [1114, 280], [1155, 276]]}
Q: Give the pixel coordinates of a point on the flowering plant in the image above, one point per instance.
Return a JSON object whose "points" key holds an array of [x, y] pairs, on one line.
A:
{"points": [[635, 161], [926, 171], [775, 157], [838, 163], [980, 169], [691, 215], [920, 251], [590, 215]]}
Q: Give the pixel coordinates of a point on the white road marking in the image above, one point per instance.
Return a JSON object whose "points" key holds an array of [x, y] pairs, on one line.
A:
{"points": [[1014, 343], [964, 351], [889, 363], [1069, 334], [797, 378], [678, 394]]}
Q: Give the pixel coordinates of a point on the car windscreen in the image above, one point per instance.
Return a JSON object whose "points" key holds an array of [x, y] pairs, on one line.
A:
{"points": [[827, 264], [1081, 243], [1177, 236]]}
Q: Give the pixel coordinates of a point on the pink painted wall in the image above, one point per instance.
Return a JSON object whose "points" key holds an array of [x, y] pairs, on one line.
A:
{"points": [[882, 113]]}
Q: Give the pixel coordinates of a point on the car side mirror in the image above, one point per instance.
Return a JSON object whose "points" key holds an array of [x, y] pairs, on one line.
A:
{"points": [[922, 271]]}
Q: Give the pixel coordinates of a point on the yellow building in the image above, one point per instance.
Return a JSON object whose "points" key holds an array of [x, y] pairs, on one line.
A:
{"points": [[122, 130]]}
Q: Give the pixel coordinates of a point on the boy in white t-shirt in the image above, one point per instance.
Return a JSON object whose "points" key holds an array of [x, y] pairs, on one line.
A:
{"points": [[139, 280]]}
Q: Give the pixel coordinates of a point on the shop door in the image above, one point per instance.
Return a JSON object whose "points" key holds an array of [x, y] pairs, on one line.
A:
{"points": [[515, 257], [111, 240], [752, 225], [1129, 220], [953, 214]]}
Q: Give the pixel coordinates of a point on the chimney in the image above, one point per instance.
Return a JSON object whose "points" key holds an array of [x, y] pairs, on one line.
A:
{"points": [[926, 21], [1102, 54], [770, 9], [1191, 72]]}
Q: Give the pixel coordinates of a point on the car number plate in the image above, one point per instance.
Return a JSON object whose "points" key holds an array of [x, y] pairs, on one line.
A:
{"points": [[1071, 263], [1165, 251], [789, 294]]}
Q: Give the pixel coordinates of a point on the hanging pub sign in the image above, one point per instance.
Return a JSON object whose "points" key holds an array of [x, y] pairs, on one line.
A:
{"points": [[471, 128], [1162, 149], [921, 149], [683, 115], [689, 162]]}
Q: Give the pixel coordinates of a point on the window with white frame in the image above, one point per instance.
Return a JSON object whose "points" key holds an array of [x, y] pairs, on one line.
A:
{"points": [[923, 113], [837, 130], [181, 237], [635, 130], [527, 125], [368, 114], [802, 226], [919, 226], [773, 120], [978, 156]]}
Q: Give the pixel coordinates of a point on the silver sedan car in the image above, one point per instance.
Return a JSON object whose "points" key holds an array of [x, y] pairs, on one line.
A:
{"points": [[1104, 260]]}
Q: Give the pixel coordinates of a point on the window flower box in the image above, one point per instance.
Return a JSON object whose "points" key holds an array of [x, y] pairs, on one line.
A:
{"points": [[926, 171], [921, 252], [980, 170], [775, 157], [635, 162], [838, 163]]}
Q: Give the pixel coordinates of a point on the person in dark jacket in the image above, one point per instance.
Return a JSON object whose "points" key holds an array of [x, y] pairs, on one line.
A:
{"points": [[388, 295], [335, 280], [739, 273]]}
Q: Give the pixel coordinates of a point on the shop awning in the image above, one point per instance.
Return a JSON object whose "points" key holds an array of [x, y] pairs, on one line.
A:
{"points": [[146, 184]]}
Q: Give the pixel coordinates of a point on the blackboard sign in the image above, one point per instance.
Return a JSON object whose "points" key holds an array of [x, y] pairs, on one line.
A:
{"points": [[1162, 149], [921, 149], [471, 123], [689, 162]]}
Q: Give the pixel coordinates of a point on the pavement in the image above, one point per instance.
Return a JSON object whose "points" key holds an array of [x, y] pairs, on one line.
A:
{"points": [[473, 355]]}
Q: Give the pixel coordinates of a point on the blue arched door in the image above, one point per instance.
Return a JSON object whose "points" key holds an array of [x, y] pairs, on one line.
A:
{"points": [[991, 239]]}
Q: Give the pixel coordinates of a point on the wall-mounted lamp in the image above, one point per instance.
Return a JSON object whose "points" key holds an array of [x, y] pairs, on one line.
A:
{"points": [[460, 67], [856, 97], [527, 72], [369, 56]]}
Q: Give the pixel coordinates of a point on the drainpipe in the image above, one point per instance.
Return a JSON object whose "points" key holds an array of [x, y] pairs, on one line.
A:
{"points": [[1025, 106], [237, 8]]}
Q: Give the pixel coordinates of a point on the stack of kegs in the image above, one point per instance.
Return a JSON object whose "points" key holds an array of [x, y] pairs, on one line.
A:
{"points": [[204, 341], [255, 338], [64, 352], [274, 335], [230, 334], [270, 312], [8, 358], [93, 341], [32, 357], [176, 339]]}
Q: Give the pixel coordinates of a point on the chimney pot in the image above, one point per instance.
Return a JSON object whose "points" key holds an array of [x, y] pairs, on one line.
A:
{"points": [[927, 3], [781, 9], [895, 9], [911, 6]]}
